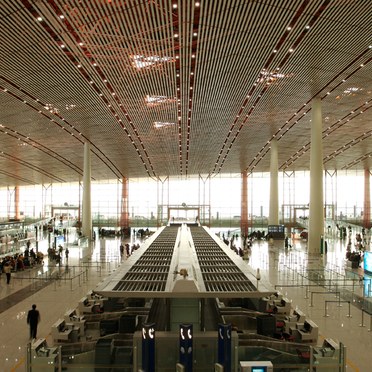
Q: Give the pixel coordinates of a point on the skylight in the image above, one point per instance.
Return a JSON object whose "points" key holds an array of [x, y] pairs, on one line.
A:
{"points": [[157, 100], [351, 90], [160, 124], [270, 77], [141, 61]]}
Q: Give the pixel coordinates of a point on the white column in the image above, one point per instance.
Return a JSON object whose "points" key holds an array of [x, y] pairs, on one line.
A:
{"points": [[87, 207], [316, 212], [274, 203]]}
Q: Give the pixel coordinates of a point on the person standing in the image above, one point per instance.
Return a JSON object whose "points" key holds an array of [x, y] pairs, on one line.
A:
{"points": [[7, 270], [33, 318]]}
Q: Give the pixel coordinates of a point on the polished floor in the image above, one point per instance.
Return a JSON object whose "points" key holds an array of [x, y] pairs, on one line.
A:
{"points": [[289, 270]]}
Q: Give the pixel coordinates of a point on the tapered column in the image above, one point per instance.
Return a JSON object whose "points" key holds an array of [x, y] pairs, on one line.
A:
{"points": [[316, 213], [367, 199], [244, 205], [274, 203], [87, 207]]}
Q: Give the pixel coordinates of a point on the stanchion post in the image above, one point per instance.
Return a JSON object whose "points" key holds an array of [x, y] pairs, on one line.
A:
{"points": [[307, 292], [362, 324], [349, 315], [339, 299]]}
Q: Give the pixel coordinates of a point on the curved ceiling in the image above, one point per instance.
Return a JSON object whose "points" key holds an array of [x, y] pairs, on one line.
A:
{"points": [[165, 88]]}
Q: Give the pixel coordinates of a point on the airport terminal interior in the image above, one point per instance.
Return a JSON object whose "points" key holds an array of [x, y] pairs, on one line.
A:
{"points": [[185, 185]]}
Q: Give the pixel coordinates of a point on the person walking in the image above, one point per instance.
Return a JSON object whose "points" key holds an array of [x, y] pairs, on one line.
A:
{"points": [[7, 270], [33, 318], [121, 250]]}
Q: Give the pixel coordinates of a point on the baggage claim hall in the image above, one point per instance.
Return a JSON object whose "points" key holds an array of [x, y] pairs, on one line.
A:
{"points": [[185, 185]]}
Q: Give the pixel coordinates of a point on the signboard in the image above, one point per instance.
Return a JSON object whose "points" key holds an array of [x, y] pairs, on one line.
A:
{"points": [[186, 346], [148, 347], [224, 346]]}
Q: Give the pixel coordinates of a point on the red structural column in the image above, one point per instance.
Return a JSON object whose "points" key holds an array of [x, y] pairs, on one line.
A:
{"points": [[367, 199], [244, 205], [17, 214], [124, 215]]}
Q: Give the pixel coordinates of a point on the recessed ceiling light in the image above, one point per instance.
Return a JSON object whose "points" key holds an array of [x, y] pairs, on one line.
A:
{"points": [[39, 19]]}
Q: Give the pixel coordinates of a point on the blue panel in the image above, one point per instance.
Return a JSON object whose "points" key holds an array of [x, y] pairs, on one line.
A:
{"points": [[368, 261]]}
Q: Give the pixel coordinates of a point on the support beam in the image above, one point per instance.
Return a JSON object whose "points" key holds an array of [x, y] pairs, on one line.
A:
{"points": [[17, 214], [87, 205], [274, 202], [316, 212], [244, 205], [367, 199], [124, 213]]}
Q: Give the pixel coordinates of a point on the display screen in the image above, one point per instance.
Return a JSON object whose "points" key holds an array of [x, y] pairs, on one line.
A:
{"points": [[273, 229], [368, 261], [258, 369]]}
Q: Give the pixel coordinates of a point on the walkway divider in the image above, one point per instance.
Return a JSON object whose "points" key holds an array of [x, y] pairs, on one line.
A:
{"points": [[339, 304], [316, 292]]}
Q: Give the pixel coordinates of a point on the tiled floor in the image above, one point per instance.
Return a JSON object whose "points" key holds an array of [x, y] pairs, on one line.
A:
{"points": [[289, 269]]}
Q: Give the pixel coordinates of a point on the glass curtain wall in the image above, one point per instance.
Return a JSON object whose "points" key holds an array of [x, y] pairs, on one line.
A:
{"points": [[344, 198]]}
